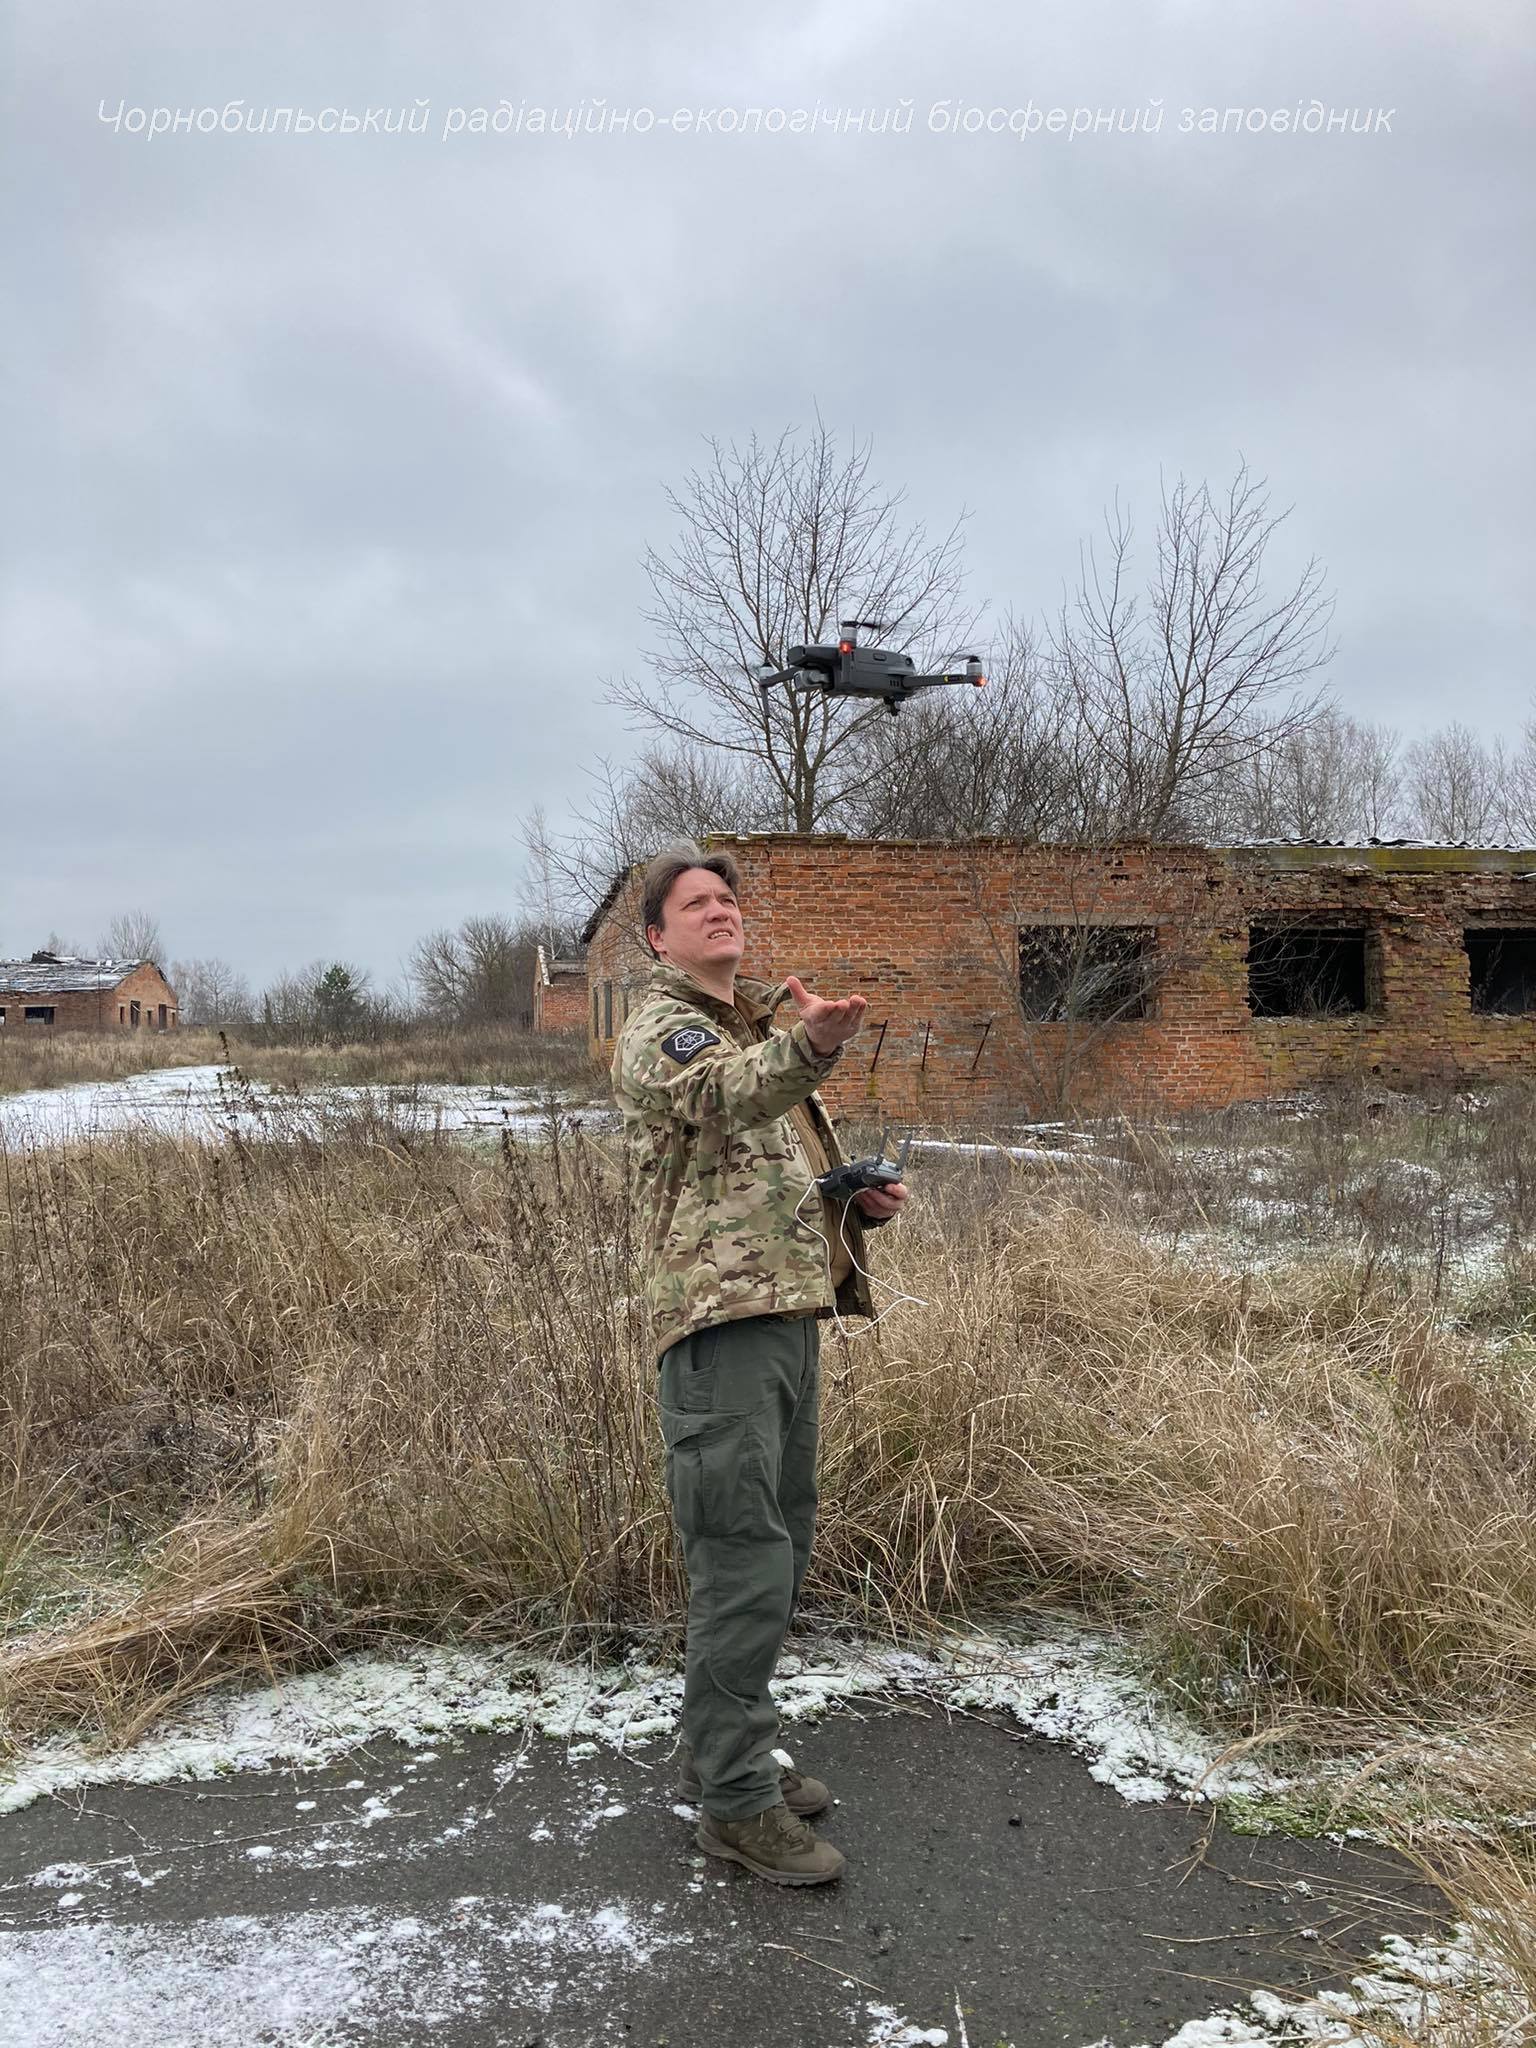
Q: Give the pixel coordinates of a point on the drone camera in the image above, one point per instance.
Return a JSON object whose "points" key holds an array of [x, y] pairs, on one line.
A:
{"points": [[846, 669]]}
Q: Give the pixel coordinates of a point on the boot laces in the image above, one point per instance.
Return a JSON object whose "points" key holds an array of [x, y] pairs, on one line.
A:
{"points": [[790, 1828]]}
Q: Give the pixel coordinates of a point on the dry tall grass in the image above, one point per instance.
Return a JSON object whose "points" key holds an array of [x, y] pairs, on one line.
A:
{"points": [[472, 1055], [52, 1059], [1489, 1886], [479, 1056], [1422, 1184], [261, 1401], [322, 1385]]}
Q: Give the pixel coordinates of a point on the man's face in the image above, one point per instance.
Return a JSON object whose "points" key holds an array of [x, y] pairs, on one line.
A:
{"points": [[702, 927]]}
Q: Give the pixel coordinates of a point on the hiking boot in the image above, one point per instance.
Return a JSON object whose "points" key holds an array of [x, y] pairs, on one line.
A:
{"points": [[800, 1795], [776, 1844]]}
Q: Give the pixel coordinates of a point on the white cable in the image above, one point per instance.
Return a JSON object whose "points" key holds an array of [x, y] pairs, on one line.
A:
{"points": [[842, 1231]]}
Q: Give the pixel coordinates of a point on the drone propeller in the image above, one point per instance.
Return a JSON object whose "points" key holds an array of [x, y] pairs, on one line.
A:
{"points": [[848, 670]]}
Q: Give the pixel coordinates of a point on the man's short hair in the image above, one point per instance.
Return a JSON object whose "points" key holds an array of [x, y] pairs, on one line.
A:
{"points": [[663, 871]]}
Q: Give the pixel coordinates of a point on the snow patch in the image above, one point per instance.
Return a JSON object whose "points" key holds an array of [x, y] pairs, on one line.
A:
{"points": [[890, 2030], [205, 1103], [1070, 1687], [1400, 1995], [65, 1874], [288, 1979]]}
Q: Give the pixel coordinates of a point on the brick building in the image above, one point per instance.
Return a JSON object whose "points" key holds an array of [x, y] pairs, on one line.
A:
{"points": [[559, 995], [1005, 978], [47, 993]]}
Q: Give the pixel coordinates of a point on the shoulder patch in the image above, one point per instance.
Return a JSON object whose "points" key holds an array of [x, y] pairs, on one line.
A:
{"points": [[682, 1045]]}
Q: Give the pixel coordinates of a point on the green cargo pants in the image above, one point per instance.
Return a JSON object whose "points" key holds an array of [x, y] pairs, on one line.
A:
{"points": [[739, 1415]]}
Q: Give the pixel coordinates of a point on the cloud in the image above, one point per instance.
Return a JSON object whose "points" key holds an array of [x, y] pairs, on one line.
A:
{"points": [[341, 452]]}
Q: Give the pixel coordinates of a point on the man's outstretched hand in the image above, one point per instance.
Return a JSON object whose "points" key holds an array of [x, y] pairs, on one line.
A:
{"points": [[883, 1203], [827, 1025]]}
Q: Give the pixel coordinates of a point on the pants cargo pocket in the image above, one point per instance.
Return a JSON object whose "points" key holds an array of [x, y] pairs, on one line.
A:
{"points": [[715, 1472]]}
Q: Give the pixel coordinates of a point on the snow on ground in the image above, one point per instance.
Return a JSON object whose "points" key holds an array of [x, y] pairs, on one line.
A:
{"points": [[1033, 1154], [293, 1978], [290, 1980], [1409, 1991], [889, 2030], [1471, 1264], [205, 1103], [1072, 1687]]}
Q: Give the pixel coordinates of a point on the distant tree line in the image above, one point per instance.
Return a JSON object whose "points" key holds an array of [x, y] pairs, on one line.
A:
{"points": [[479, 974]]}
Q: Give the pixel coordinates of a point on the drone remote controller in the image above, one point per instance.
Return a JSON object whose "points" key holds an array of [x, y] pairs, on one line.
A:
{"points": [[844, 1182]]}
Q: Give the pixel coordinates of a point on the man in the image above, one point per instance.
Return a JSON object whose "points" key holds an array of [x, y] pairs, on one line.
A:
{"points": [[727, 1139]]}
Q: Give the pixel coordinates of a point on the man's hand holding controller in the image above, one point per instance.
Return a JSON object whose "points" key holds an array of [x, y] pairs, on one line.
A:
{"points": [[828, 1026]]}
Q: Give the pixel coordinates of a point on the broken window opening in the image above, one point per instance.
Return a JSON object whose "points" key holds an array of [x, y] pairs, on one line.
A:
{"points": [[37, 1013], [1502, 967], [607, 1009], [1308, 970], [1098, 974]]}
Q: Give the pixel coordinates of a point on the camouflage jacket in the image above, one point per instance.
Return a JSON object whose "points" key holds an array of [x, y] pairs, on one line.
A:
{"points": [[725, 1208]]}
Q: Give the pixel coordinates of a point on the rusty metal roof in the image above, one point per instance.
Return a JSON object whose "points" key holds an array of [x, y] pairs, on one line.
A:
{"points": [[64, 976]]}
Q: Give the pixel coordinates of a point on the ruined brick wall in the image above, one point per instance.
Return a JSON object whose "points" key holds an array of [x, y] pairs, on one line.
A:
{"points": [[1417, 904], [930, 934], [618, 966], [103, 1010], [560, 1004]]}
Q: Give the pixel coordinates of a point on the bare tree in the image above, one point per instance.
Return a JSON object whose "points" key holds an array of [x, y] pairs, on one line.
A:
{"points": [[779, 542], [668, 792], [329, 1001], [1178, 689], [1374, 752], [479, 973], [287, 1013], [540, 886], [961, 764], [1522, 786], [133, 935], [1460, 784], [1333, 779], [211, 995]]}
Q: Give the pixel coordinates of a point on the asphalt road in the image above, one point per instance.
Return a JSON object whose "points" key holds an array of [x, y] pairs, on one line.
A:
{"points": [[487, 1896]]}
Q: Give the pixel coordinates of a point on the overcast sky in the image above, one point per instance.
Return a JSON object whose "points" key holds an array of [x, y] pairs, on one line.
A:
{"points": [[334, 454]]}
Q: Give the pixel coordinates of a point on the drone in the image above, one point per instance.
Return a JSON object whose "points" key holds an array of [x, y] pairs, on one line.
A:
{"points": [[849, 670]]}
